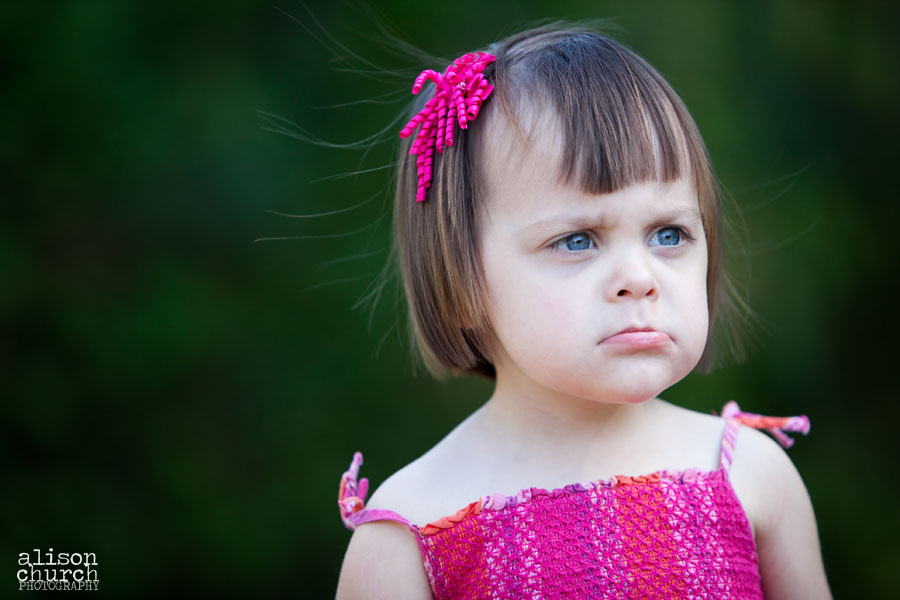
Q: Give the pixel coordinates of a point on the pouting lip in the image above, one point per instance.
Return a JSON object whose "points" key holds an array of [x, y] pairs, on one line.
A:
{"points": [[631, 330]]}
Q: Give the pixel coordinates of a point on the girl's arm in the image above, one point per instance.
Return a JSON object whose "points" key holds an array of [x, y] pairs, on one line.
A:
{"points": [[790, 558], [383, 562]]}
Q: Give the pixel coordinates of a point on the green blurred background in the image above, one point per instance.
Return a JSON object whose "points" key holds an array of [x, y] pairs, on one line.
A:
{"points": [[181, 400]]}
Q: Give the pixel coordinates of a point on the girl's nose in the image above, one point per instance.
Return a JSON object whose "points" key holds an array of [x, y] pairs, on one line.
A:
{"points": [[633, 280]]}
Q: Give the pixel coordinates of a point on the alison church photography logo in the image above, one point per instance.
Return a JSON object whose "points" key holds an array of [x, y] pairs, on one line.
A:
{"points": [[46, 570]]}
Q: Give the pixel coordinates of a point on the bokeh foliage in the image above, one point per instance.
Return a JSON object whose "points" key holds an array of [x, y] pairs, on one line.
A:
{"points": [[182, 401]]}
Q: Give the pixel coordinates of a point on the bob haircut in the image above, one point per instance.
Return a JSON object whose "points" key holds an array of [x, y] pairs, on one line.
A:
{"points": [[620, 124]]}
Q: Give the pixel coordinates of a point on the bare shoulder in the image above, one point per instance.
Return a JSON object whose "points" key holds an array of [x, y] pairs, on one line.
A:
{"points": [[760, 463], [757, 453], [405, 491], [439, 483], [383, 561], [765, 480], [778, 505]]}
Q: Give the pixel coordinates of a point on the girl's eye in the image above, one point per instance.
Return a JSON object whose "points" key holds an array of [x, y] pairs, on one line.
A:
{"points": [[575, 242], [667, 236]]}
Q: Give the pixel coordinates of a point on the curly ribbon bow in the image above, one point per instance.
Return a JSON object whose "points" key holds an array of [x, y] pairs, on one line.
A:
{"points": [[352, 493], [352, 500], [458, 96], [776, 426]]}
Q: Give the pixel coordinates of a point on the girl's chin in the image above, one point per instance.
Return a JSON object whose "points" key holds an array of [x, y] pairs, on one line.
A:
{"points": [[608, 395], [630, 398], [630, 394]]}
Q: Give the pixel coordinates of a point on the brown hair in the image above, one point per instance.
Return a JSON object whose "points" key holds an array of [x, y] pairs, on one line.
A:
{"points": [[620, 124]]}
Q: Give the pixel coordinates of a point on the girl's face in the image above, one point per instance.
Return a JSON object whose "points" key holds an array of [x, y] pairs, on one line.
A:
{"points": [[598, 297]]}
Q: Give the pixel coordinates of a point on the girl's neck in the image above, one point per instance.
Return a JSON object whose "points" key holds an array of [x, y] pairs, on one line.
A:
{"points": [[544, 417]]}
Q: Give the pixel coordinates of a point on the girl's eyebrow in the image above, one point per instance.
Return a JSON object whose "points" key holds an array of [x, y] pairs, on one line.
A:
{"points": [[678, 214], [580, 221], [576, 221]]}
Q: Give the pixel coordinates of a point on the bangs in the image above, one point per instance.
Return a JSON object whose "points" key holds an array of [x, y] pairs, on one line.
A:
{"points": [[616, 120]]}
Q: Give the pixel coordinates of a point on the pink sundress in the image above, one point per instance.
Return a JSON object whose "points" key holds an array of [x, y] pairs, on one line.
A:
{"points": [[670, 534]]}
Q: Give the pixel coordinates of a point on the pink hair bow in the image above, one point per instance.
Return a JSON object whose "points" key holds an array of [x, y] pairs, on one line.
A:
{"points": [[458, 96]]}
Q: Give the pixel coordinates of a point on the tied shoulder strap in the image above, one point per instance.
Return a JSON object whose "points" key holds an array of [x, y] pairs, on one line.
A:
{"points": [[776, 426], [352, 499]]}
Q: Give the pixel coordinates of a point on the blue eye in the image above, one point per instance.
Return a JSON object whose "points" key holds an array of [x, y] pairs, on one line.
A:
{"points": [[667, 236], [575, 242]]}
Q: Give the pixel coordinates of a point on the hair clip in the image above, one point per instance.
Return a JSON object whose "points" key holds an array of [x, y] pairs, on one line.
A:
{"points": [[458, 96]]}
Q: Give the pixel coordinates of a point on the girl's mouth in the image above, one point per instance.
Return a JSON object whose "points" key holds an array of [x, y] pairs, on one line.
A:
{"points": [[638, 338]]}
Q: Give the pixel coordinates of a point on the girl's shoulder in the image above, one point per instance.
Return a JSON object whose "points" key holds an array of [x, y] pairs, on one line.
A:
{"points": [[761, 474], [763, 477], [438, 483], [756, 454]]}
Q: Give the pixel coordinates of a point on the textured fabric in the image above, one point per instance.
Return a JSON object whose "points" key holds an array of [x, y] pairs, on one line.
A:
{"points": [[670, 534]]}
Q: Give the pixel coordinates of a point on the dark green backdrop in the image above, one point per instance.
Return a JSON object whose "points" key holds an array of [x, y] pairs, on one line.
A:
{"points": [[182, 401]]}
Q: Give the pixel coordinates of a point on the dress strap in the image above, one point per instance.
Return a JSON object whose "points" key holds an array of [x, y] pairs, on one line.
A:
{"points": [[352, 498], [776, 426]]}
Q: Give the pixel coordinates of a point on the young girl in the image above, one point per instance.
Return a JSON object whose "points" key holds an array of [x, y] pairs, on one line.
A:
{"points": [[558, 231]]}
